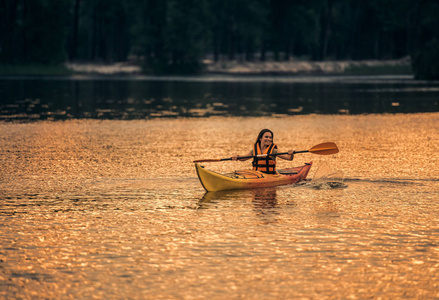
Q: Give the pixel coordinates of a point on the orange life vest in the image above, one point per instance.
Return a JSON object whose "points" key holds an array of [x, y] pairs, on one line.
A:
{"points": [[266, 164]]}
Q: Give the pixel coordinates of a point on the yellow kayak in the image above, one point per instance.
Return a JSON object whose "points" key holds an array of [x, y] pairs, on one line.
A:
{"points": [[249, 179]]}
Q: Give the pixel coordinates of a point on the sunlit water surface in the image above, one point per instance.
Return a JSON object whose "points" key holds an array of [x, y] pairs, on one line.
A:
{"points": [[114, 210]]}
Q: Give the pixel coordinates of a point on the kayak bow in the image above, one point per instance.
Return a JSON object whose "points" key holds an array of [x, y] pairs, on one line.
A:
{"points": [[249, 179]]}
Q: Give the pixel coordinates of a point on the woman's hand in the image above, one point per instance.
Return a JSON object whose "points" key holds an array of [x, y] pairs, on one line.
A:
{"points": [[237, 157], [288, 156], [291, 154]]}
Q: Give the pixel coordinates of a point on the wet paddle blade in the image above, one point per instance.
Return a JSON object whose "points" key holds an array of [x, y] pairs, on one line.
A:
{"points": [[324, 149]]}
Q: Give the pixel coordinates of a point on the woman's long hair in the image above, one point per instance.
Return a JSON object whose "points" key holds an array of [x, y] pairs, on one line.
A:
{"points": [[261, 134]]}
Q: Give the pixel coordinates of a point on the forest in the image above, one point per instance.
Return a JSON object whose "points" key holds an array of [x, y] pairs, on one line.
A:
{"points": [[175, 36]]}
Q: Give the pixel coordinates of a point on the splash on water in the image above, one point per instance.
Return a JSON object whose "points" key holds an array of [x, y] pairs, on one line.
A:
{"points": [[325, 178]]}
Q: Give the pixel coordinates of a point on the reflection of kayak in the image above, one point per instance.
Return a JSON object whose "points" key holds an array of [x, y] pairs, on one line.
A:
{"points": [[249, 179]]}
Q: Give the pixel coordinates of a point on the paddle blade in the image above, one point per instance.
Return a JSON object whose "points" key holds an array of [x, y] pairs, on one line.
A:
{"points": [[324, 149]]}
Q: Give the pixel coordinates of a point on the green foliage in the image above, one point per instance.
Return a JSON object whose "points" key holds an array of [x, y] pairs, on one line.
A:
{"points": [[171, 36], [103, 31], [301, 30], [426, 61], [378, 70], [33, 31], [424, 36], [33, 69], [239, 28], [175, 36]]}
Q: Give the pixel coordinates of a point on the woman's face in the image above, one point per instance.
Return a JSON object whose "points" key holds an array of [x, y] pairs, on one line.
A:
{"points": [[267, 139]]}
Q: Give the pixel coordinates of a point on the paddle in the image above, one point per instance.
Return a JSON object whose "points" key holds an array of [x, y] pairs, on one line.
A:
{"points": [[322, 149]]}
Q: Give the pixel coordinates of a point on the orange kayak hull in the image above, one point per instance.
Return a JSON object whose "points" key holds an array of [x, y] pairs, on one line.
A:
{"points": [[249, 179]]}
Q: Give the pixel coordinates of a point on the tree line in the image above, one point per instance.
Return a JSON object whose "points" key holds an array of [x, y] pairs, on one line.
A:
{"points": [[174, 36]]}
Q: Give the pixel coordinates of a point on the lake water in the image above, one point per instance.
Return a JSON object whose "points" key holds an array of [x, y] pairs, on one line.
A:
{"points": [[128, 98], [112, 209]]}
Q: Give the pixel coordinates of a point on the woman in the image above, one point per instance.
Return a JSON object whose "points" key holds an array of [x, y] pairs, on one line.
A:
{"points": [[264, 145]]}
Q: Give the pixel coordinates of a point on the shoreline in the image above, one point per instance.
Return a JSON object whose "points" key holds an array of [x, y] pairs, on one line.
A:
{"points": [[270, 68], [311, 67]]}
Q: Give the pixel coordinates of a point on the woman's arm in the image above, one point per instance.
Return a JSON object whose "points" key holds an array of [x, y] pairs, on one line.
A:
{"points": [[236, 157], [289, 156]]}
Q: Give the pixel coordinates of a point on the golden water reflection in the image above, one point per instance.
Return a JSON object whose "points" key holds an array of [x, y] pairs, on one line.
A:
{"points": [[113, 209]]}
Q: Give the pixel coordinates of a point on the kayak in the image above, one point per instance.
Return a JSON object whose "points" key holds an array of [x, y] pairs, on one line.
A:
{"points": [[249, 179]]}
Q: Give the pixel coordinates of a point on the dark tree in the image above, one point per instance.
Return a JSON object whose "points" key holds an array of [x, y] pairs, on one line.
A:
{"points": [[175, 36], [33, 31], [424, 39]]}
